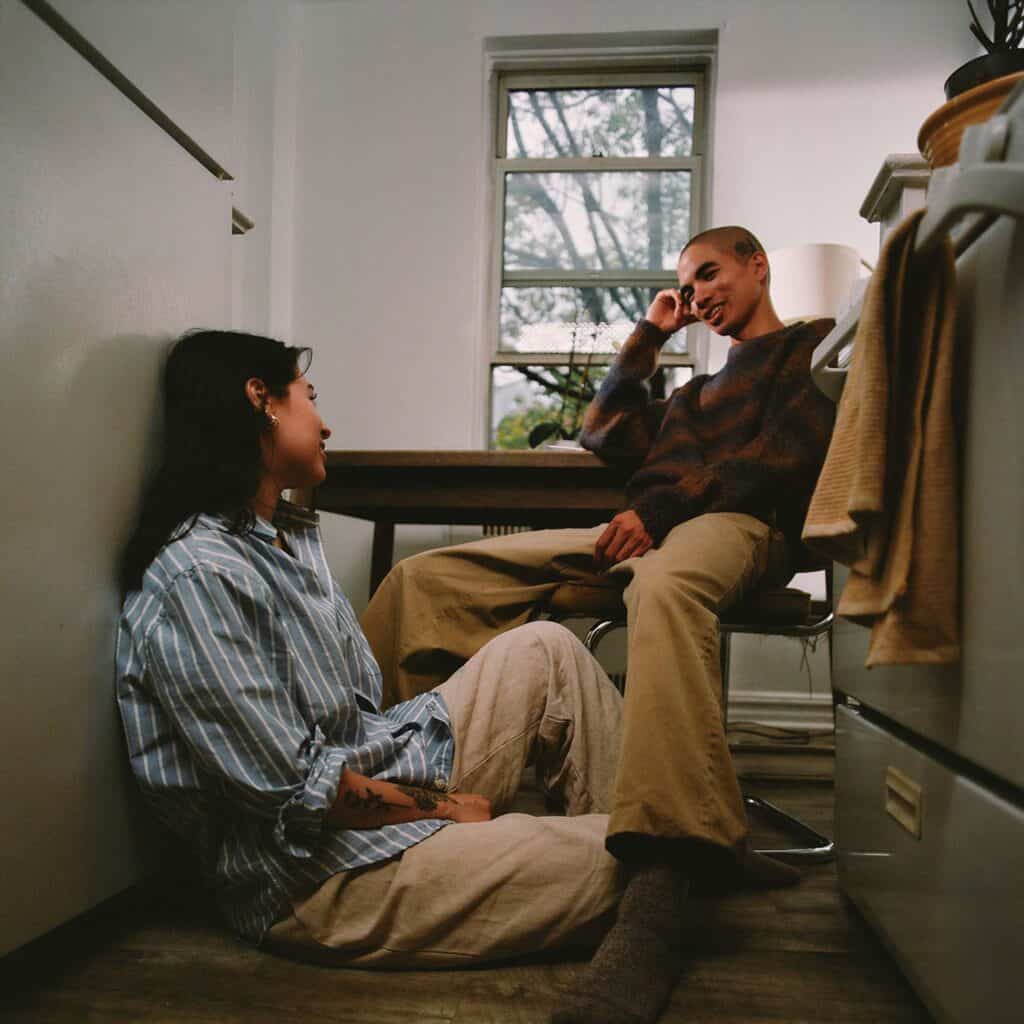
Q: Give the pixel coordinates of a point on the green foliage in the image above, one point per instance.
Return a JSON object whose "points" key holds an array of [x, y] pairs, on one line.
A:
{"points": [[513, 430], [560, 398]]}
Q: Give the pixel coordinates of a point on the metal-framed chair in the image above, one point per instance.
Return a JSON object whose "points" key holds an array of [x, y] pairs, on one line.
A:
{"points": [[781, 611]]}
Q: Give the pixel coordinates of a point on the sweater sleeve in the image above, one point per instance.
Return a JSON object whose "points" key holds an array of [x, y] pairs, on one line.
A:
{"points": [[622, 421], [770, 476]]}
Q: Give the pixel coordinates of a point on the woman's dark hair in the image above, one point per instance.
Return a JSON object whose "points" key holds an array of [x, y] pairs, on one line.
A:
{"points": [[210, 461]]}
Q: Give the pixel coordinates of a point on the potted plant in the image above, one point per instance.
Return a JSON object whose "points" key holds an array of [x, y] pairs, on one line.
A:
{"points": [[1003, 56], [976, 90], [566, 427]]}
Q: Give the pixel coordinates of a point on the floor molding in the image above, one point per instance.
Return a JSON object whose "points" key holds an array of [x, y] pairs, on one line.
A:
{"points": [[781, 709]]}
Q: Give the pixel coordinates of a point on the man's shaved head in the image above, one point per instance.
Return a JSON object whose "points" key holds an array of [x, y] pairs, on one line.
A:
{"points": [[732, 238], [724, 281]]}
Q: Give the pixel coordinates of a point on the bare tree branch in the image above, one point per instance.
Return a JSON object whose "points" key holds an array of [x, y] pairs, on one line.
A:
{"points": [[680, 113], [532, 259], [563, 120], [539, 195], [632, 311], [591, 204], [654, 132], [516, 130], [538, 113], [557, 384], [589, 201]]}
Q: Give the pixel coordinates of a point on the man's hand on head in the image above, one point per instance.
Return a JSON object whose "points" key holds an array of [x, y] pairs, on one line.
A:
{"points": [[624, 537], [669, 311]]}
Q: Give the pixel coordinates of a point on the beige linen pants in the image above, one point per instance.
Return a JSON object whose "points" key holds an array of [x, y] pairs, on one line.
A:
{"points": [[515, 884], [675, 781]]}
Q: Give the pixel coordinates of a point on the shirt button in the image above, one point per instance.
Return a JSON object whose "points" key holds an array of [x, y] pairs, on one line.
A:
{"points": [[440, 782]]}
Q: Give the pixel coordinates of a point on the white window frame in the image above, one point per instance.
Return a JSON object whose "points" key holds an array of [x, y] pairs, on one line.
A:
{"points": [[612, 67]]}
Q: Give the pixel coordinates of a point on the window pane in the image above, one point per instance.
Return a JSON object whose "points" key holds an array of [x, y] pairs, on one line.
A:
{"points": [[676, 377], [596, 220], [564, 319], [525, 398], [636, 121]]}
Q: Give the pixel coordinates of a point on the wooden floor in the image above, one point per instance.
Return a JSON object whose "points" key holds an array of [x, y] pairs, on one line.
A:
{"points": [[783, 957]]}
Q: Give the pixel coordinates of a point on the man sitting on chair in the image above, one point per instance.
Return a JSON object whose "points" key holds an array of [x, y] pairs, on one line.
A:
{"points": [[725, 468]]}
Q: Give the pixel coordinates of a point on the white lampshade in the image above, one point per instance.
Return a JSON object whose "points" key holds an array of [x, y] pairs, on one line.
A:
{"points": [[811, 281]]}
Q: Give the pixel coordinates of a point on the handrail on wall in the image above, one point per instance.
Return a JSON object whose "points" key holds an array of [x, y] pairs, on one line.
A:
{"points": [[50, 16]]}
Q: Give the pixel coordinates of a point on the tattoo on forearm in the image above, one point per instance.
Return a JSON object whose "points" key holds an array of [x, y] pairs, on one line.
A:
{"points": [[371, 802], [426, 799], [423, 799]]}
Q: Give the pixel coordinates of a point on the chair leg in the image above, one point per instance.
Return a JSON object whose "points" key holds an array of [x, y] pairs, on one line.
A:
{"points": [[595, 635], [598, 632], [816, 848], [724, 654], [819, 849]]}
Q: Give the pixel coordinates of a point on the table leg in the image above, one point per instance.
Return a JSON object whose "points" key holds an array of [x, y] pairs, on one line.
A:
{"points": [[383, 553]]}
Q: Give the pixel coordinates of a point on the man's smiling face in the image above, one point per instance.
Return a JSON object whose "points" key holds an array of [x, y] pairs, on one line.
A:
{"points": [[722, 289]]}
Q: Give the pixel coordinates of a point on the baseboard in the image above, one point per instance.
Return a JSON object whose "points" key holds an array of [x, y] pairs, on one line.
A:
{"points": [[781, 709]]}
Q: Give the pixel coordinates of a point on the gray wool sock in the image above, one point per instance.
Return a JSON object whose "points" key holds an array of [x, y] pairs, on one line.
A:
{"points": [[632, 974]]}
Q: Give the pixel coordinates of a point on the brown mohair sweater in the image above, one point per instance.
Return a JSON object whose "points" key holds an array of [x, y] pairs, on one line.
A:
{"points": [[751, 438]]}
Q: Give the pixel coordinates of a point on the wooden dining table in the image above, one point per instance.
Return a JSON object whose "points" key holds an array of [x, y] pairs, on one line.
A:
{"points": [[537, 489]]}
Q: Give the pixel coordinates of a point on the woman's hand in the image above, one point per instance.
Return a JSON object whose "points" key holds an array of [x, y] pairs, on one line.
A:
{"points": [[469, 807]]}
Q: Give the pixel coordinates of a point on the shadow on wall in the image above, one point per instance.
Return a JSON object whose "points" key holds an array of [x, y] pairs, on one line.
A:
{"points": [[83, 422]]}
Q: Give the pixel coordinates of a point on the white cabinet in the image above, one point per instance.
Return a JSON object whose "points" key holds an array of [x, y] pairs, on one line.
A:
{"points": [[930, 759], [947, 899], [112, 240]]}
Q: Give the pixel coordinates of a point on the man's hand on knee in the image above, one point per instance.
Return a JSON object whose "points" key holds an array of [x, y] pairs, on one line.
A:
{"points": [[625, 537]]}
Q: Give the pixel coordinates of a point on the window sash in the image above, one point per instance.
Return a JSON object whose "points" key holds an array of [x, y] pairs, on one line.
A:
{"points": [[504, 277], [501, 164], [510, 358], [596, 164], [585, 278], [611, 79]]}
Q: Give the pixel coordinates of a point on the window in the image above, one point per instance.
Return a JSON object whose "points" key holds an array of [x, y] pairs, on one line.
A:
{"points": [[599, 180]]}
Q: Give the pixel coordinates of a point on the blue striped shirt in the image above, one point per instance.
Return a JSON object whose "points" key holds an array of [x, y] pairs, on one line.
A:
{"points": [[246, 687]]}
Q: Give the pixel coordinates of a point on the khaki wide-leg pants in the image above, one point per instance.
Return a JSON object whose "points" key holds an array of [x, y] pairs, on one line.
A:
{"points": [[513, 885], [675, 781]]}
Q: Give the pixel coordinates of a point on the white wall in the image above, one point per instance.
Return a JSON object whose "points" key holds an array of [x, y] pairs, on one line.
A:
{"points": [[391, 220], [179, 52], [112, 240], [265, 79]]}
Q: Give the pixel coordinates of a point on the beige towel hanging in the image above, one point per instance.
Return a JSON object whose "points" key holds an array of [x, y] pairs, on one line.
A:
{"points": [[887, 501]]}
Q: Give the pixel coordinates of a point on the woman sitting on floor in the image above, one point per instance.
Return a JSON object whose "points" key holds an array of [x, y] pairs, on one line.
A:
{"points": [[328, 827]]}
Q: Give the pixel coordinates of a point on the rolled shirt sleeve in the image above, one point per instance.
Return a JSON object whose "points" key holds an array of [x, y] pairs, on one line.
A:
{"points": [[246, 688]]}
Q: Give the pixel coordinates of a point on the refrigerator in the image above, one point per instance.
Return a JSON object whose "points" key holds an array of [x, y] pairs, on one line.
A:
{"points": [[930, 759]]}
